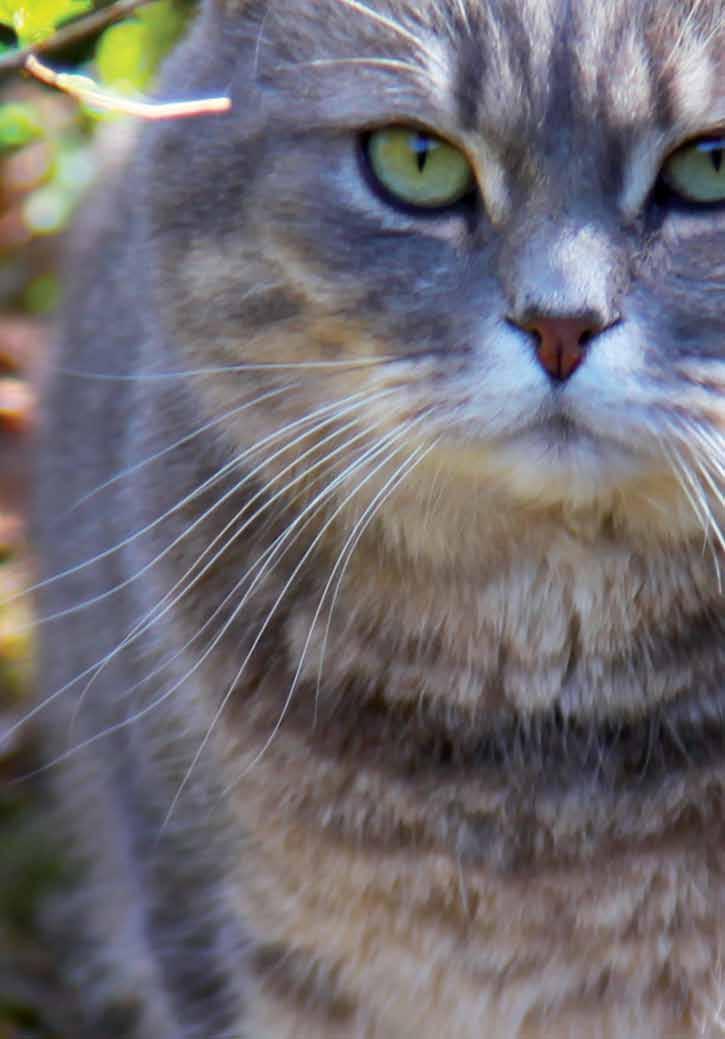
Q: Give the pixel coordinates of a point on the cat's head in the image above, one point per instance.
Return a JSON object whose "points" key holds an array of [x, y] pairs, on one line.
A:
{"points": [[516, 207]]}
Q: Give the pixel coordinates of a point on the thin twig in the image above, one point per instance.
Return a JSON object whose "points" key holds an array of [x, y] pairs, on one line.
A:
{"points": [[73, 33], [86, 90]]}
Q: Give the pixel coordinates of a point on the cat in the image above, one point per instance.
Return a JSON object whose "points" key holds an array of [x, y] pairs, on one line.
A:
{"points": [[380, 509]]}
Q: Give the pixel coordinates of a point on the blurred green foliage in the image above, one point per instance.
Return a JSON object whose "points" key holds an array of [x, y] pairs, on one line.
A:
{"points": [[34, 20], [129, 54], [19, 125], [124, 59], [130, 51], [49, 152]]}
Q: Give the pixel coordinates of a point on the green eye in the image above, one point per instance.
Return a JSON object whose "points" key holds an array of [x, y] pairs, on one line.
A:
{"points": [[697, 171], [418, 168]]}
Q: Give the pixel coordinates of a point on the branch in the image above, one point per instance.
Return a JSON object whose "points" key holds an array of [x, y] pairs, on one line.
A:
{"points": [[86, 90], [73, 33]]}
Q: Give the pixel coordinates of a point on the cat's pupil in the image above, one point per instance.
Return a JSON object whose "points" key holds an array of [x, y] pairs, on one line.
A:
{"points": [[421, 145], [717, 155]]}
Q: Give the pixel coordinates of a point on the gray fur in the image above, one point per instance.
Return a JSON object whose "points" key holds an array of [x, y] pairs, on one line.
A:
{"points": [[523, 674]]}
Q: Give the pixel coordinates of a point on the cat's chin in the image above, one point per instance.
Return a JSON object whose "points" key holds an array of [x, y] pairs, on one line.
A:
{"points": [[558, 467], [551, 462], [560, 461]]}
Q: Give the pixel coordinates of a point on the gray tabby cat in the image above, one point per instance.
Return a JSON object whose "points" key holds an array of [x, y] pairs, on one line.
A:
{"points": [[383, 535]]}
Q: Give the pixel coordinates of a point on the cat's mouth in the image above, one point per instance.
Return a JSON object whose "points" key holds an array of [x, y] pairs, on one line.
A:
{"points": [[561, 445], [560, 430], [558, 458]]}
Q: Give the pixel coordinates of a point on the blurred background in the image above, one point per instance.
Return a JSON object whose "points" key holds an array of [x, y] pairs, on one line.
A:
{"points": [[51, 148]]}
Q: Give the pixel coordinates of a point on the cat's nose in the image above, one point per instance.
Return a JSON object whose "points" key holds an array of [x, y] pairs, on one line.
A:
{"points": [[561, 342]]}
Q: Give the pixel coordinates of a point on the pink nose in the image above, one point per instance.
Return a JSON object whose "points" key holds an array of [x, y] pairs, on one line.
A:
{"points": [[561, 343]]}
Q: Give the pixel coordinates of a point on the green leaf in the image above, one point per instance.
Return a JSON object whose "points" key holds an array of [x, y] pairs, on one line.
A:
{"points": [[42, 295], [19, 125], [34, 20], [122, 60], [128, 55]]}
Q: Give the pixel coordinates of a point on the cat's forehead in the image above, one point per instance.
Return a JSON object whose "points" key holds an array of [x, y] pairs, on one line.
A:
{"points": [[522, 62], [629, 57]]}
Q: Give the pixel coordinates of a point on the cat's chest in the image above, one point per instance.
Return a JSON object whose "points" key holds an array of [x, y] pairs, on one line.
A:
{"points": [[421, 945], [563, 625]]}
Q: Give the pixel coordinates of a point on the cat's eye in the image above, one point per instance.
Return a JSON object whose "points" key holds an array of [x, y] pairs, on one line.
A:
{"points": [[696, 172], [418, 168]]}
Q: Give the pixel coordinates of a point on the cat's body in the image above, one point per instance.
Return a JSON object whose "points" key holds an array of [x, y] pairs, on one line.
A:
{"points": [[448, 760]]}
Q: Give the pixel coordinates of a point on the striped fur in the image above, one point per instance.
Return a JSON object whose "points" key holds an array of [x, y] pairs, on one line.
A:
{"points": [[385, 683]]}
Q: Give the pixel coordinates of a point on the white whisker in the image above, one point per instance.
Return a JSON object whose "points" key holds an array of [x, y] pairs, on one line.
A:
{"points": [[693, 491], [162, 698], [152, 616], [705, 473], [391, 64], [403, 431], [211, 424], [170, 600], [187, 499], [348, 549], [371, 453], [270, 366], [460, 4], [395, 27]]}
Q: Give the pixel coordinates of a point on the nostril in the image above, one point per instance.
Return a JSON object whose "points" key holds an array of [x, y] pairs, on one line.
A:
{"points": [[561, 343]]}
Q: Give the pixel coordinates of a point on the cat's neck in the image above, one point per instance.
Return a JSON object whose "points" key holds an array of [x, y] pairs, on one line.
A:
{"points": [[522, 689], [548, 621]]}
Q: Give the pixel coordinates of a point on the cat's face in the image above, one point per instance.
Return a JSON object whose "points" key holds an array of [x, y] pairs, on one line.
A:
{"points": [[492, 196]]}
